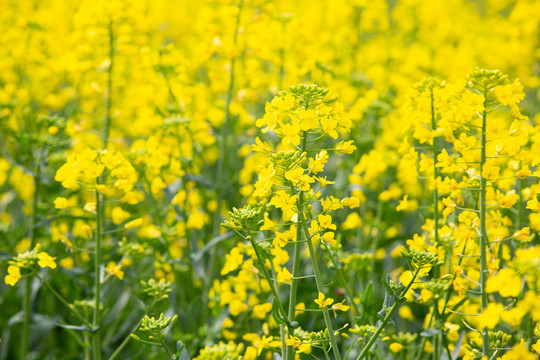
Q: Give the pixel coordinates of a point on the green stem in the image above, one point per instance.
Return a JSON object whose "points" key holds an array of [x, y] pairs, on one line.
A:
{"points": [[343, 282], [65, 303], [435, 313], [318, 281], [267, 276], [221, 168], [435, 173], [97, 281], [108, 97], [436, 338], [483, 229], [86, 340], [128, 337], [27, 297], [282, 334], [386, 319], [445, 304], [169, 353], [26, 304], [424, 339], [226, 126], [296, 264], [520, 205]]}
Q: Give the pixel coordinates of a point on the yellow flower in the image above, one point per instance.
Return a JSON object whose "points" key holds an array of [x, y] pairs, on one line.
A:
{"points": [[157, 185], [260, 311], [281, 239], [237, 307], [45, 260], [232, 261], [323, 181], [296, 343], [317, 165], [523, 234], [345, 147], [90, 207], [506, 282], [407, 205], [294, 175], [115, 270], [119, 215], [269, 119], [395, 347], [450, 206], [331, 203], [329, 126], [268, 224], [533, 204], [61, 203], [491, 315], [536, 347], [308, 119], [524, 172], [329, 238], [340, 307], [508, 200], [284, 276], [519, 351], [293, 341], [261, 146], [352, 202], [284, 201], [322, 301], [14, 274], [290, 134], [133, 224], [509, 94], [325, 222]]}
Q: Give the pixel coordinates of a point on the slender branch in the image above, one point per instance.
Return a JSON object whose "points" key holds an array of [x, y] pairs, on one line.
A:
{"points": [[386, 319], [65, 303], [96, 338], [320, 286]]}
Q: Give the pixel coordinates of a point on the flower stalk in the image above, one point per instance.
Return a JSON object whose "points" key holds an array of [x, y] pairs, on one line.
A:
{"points": [[483, 229]]}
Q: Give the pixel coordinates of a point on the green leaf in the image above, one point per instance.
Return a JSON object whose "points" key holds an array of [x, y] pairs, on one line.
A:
{"points": [[181, 351], [278, 317], [430, 332]]}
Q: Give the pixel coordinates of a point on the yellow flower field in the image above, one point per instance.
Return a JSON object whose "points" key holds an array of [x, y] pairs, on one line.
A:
{"points": [[270, 180]]}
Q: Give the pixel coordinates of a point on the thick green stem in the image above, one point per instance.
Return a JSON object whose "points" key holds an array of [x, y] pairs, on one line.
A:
{"points": [[386, 319], [96, 339], [318, 281], [436, 352], [108, 95], [483, 229], [435, 173], [296, 265], [282, 337]]}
